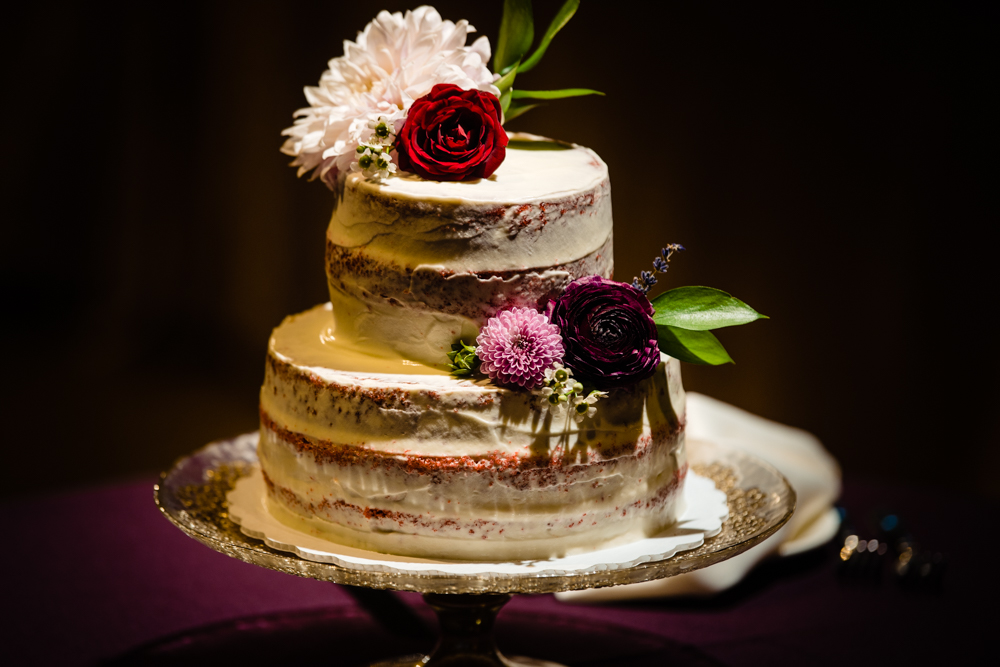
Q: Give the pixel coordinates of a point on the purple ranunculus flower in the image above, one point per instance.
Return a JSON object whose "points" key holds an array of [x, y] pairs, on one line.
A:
{"points": [[608, 331]]}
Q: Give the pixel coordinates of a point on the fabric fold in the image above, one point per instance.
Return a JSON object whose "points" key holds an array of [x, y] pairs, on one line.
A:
{"points": [[797, 454]]}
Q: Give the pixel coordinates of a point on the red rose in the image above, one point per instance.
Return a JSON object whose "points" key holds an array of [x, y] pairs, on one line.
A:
{"points": [[452, 134]]}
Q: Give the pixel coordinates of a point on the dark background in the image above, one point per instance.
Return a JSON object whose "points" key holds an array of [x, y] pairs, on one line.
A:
{"points": [[827, 164]]}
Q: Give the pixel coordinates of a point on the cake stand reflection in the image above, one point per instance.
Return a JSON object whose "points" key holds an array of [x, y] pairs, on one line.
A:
{"points": [[192, 495]]}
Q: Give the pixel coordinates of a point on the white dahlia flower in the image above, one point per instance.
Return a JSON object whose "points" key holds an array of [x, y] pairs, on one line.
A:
{"points": [[396, 59]]}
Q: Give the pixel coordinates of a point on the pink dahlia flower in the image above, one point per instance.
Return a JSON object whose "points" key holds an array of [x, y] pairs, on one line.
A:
{"points": [[517, 346]]}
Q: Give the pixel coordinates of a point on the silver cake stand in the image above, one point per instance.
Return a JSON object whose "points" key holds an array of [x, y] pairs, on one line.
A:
{"points": [[192, 495]]}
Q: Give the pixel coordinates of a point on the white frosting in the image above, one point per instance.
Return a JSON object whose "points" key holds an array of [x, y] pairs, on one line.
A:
{"points": [[477, 225], [534, 169], [529, 532], [548, 205], [376, 325], [328, 390]]}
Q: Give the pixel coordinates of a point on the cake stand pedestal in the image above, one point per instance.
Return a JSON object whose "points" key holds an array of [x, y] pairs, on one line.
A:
{"points": [[192, 495], [466, 636]]}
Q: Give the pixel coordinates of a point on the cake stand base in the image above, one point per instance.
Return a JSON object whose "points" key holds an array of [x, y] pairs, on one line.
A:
{"points": [[466, 638]]}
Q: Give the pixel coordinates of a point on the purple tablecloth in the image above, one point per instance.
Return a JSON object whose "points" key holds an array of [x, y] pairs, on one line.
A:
{"points": [[99, 576]]}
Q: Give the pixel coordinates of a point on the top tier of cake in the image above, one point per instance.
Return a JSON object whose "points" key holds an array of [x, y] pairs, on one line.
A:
{"points": [[414, 265]]}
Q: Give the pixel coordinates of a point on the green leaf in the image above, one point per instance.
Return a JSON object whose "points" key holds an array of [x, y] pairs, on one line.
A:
{"points": [[463, 359], [507, 80], [532, 145], [554, 94], [696, 347], [505, 103], [516, 110], [701, 309], [517, 31], [562, 17]]}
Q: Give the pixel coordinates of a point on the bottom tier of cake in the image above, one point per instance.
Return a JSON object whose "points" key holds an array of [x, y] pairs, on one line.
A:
{"points": [[395, 457]]}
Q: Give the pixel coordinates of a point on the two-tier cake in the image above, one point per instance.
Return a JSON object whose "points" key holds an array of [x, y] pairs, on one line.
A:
{"points": [[368, 439], [478, 387]]}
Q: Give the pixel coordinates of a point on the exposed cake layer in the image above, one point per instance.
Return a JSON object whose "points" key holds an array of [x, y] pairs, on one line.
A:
{"points": [[471, 510], [394, 456], [432, 290], [415, 264]]}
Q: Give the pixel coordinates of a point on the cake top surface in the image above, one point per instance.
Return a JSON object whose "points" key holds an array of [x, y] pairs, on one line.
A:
{"points": [[308, 339], [535, 168]]}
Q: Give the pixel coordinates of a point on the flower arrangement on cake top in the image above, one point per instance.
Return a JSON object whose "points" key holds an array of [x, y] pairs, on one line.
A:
{"points": [[409, 95]]}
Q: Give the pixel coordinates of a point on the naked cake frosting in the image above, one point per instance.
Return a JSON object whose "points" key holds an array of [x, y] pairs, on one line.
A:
{"points": [[414, 265], [365, 439]]}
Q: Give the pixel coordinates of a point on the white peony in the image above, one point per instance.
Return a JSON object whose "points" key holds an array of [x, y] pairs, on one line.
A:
{"points": [[396, 59]]}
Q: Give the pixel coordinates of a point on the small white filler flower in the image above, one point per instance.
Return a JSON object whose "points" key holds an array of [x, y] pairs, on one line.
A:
{"points": [[383, 131], [372, 156], [561, 392], [584, 407], [374, 162]]}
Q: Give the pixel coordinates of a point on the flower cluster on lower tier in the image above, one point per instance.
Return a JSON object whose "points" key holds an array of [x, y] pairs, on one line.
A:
{"points": [[599, 330], [600, 334], [597, 335]]}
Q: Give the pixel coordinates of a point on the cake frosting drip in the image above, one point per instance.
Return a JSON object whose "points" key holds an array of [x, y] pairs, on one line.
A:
{"points": [[413, 264], [388, 454]]}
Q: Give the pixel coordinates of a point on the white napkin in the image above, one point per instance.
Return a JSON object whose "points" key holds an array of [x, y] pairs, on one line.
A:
{"points": [[800, 457]]}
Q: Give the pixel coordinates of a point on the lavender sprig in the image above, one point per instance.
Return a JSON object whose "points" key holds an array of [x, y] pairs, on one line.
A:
{"points": [[647, 279]]}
